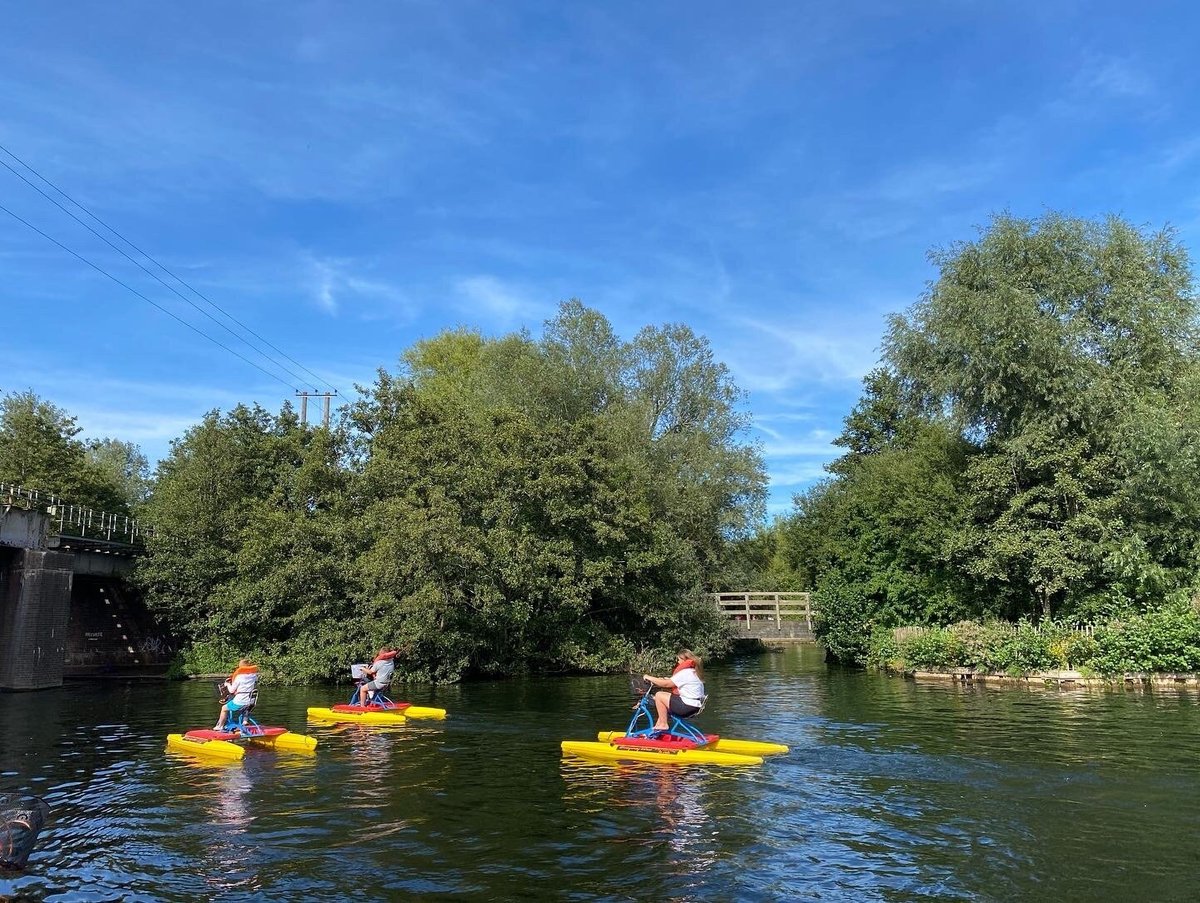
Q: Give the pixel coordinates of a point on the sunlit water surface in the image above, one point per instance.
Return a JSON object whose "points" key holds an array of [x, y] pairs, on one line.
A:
{"points": [[892, 791]]}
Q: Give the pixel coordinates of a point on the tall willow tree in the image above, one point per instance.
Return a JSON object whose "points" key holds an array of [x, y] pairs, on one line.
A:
{"points": [[1058, 358], [1059, 348]]}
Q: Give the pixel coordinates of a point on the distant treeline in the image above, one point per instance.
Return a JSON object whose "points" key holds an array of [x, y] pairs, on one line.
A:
{"points": [[1029, 446], [498, 505]]}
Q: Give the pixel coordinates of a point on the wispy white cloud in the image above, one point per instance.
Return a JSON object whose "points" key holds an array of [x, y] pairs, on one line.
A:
{"points": [[762, 418], [146, 428], [500, 302], [1116, 77], [798, 475], [787, 355], [56, 379], [1106, 88], [816, 443], [925, 179], [150, 411], [795, 461], [323, 285], [335, 283], [1180, 153]]}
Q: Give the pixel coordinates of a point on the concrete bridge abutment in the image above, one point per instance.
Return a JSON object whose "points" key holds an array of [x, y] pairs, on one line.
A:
{"points": [[35, 609], [66, 606]]}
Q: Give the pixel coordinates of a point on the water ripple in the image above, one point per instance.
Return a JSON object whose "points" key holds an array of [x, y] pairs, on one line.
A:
{"points": [[892, 791]]}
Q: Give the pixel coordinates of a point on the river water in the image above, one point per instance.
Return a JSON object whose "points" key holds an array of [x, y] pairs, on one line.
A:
{"points": [[892, 791]]}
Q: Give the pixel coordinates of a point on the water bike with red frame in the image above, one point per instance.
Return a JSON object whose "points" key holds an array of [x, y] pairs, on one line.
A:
{"points": [[682, 743], [379, 709], [240, 728]]}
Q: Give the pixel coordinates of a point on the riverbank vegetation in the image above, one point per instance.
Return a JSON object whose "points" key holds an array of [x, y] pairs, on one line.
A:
{"points": [[1165, 639], [1026, 449], [496, 505]]}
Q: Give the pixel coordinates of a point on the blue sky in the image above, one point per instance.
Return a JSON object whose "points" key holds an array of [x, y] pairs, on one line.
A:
{"points": [[348, 178]]}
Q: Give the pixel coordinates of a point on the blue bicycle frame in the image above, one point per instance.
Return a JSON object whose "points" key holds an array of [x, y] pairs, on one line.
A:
{"points": [[678, 726], [382, 701], [239, 720]]}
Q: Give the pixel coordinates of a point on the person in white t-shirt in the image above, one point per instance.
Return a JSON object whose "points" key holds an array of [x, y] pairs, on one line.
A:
{"points": [[682, 693], [377, 677], [240, 688]]}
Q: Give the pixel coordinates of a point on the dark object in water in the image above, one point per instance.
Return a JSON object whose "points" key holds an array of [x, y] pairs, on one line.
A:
{"points": [[22, 818]]}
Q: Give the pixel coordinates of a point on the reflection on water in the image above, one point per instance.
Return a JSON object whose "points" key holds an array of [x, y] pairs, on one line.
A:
{"points": [[893, 790]]}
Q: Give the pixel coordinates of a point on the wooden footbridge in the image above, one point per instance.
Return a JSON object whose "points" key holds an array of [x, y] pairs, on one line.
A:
{"points": [[772, 618]]}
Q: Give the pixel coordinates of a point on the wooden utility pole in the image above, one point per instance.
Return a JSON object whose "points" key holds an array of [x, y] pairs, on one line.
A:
{"points": [[305, 396]]}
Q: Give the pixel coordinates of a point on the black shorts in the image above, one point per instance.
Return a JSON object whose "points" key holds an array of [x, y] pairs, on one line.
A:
{"points": [[681, 708]]}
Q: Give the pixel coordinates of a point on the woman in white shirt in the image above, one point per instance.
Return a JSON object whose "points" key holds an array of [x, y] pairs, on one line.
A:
{"points": [[240, 686], [682, 693]]}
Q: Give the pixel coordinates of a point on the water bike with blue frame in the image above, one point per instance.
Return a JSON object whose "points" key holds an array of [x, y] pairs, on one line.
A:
{"points": [[682, 743], [380, 709], [240, 728]]}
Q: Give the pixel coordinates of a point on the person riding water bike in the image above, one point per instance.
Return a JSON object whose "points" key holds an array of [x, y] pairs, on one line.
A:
{"points": [[378, 676], [241, 686], [682, 693]]}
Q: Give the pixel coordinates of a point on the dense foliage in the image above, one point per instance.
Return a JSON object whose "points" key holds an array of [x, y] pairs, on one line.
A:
{"points": [[1027, 447], [496, 506]]}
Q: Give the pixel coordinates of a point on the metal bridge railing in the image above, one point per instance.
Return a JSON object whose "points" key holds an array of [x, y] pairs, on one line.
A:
{"points": [[76, 520]]}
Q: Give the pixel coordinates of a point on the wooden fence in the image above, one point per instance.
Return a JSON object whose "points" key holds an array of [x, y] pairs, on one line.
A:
{"points": [[759, 608]]}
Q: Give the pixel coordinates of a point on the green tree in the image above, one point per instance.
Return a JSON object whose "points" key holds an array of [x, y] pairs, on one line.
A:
{"points": [[509, 544], [124, 466], [1049, 344], [39, 449], [541, 520], [1027, 447], [1057, 319], [251, 547]]}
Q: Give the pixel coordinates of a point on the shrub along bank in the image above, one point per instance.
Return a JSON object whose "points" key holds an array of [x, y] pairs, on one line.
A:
{"points": [[1164, 640]]}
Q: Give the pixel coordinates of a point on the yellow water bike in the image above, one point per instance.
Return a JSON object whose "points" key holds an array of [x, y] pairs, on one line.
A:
{"points": [[680, 744]]}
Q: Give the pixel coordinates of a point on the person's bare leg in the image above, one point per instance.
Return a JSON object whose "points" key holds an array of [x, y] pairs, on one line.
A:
{"points": [[662, 700], [221, 719]]}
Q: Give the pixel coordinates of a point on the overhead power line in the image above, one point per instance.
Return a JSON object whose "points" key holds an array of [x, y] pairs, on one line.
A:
{"points": [[148, 272], [195, 291], [150, 301]]}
